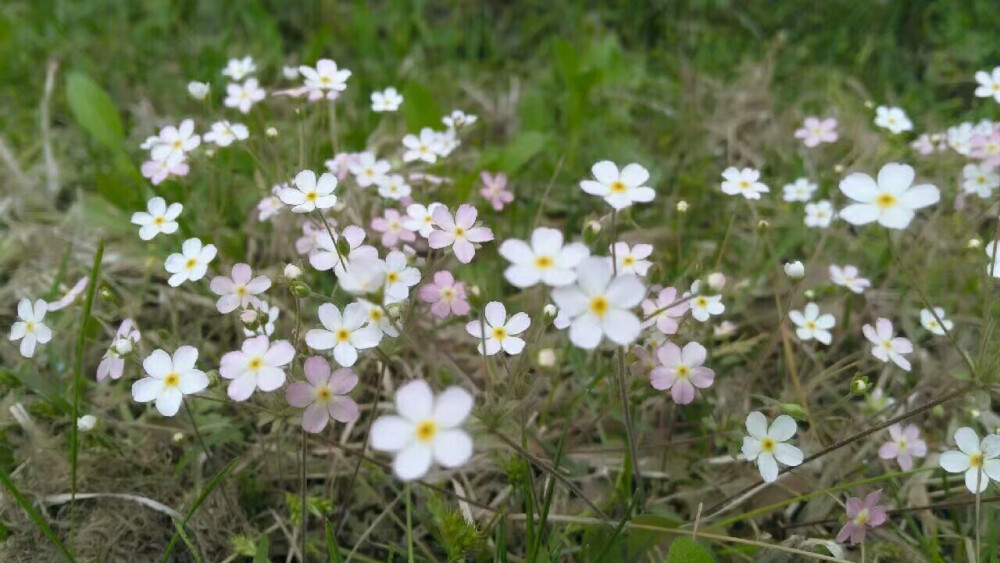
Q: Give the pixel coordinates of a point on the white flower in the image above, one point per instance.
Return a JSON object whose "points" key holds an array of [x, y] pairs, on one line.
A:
{"points": [[269, 207], [977, 459], [267, 317], [716, 281], [886, 345], [325, 77], [989, 84], [891, 201], [307, 194], [795, 270], [545, 260], [801, 190], [238, 68], [198, 90], [745, 182], [704, 306], [386, 100], [500, 332], [169, 379], [446, 142], [421, 148], [848, 277], [190, 263], [243, 96], [893, 119], [346, 333], [812, 325], [457, 119], [380, 317], [290, 72], [546, 357], [399, 277], [427, 429], [631, 260], [259, 364], [767, 445], [619, 189], [819, 214], [86, 423], [158, 218], [929, 320], [599, 304], [960, 137], [223, 133], [367, 170], [420, 218], [29, 328], [175, 141], [393, 186], [113, 363], [239, 290], [980, 179], [326, 255]]}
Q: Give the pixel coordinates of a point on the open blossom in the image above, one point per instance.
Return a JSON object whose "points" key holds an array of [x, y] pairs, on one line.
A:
{"points": [[546, 259], [631, 260], [745, 182], [500, 332], [223, 133], [893, 119], [324, 80], [393, 228], [801, 190], [368, 170], [157, 171], [979, 179], [175, 141], [326, 255], [458, 118], [768, 447], [362, 276], [393, 186], [446, 296], [980, 460], [904, 445], [29, 328], [930, 320], [886, 345], [386, 100], [600, 304], [460, 233], [424, 147], [340, 164], [190, 263], [345, 334], [426, 429], [619, 189], [384, 319], [240, 290], [324, 395], [495, 190], [891, 201], [311, 231], [811, 325], [815, 131], [989, 84], [399, 277], [158, 218], [681, 371], [665, 311], [420, 218], [819, 214], [113, 363], [238, 68], [307, 194], [863, 515], [703, 307], [270, 206], [986, 147], [168, 379], [243, 96], [849, 277], [258, 364]]}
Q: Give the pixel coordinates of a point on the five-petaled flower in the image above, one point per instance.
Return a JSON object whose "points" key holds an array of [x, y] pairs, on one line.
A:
{"points": [[600, 304], [768, 445], [345, 334], [863, 515], [891, 201], [307, 194], [546, 259], [495, 331], [980, 460], [29, 328], [458, 233], [190, 263], [886, 345], [620, 189], [258, 364], [745, 182], [904, 445], [681, 371], [324, 395], [168, 379], [158, 218], [240, 290]]}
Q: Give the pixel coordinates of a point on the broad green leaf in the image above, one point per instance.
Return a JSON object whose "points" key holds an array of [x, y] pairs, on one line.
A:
{"points": [[262, 548], [94, 111], [686, 550]]}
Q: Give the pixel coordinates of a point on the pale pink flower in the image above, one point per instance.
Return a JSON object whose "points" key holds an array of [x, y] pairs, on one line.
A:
{"points": [[815, 131], [159, 170], [863, 515], [446, 296], [666, 314], [323, 395], [460, 233], [644, 364], [393, 228], [113, 363], [240, 290], [904, 445], [986, 147], [681, 370], [495, 189]]}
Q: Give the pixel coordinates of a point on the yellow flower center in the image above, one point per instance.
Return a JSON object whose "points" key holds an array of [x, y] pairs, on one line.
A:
{"points": [[901, 444], [682, 372], [177, 144], [459, 231], [744, 184], [173, 379], [975, 460], [312, 196], [392, 277], [499, 333], [191, 263], [241, 290], [617, 187], [599, 305], [323, 394], [159, 221], [701, 302], [811, 325], [862, 518], [426, 430], [324, 80], [30, 326], [375, 314], [628, 260], [544, 262], [342, 335], [885, 201], [767, 445], [447, 294]]}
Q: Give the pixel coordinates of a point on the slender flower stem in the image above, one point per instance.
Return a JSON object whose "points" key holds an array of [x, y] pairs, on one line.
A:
{"points": [[409, 525], [333, 238], [629, 431], [302, 496]]}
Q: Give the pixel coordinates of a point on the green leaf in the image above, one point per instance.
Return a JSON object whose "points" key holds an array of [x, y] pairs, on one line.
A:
{"points": [[419, 108], [207, 490], [686, 550], [332, 549], [33, 514], [94, 111], [262, 548]]}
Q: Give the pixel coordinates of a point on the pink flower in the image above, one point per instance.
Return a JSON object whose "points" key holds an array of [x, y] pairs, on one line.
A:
{"points": [[392, 229], [863, 515], [924, 145], [306, 244], [323, 395], [681, 370], [495, 190], [258, 364], [665, 317], [113, 363], [340, 165], [815, 131], [459, 233], [159, 170], [239, 290], [644, 364], [986, 147], [904, 446], [446, 296]]}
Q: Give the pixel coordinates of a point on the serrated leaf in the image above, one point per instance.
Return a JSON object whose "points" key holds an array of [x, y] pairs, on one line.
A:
{"points": [[94, 110]]}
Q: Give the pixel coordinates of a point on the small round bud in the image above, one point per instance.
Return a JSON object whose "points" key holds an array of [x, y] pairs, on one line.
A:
{"points": [[299, 289], [550, 311], [178, 437], [593, 226], [248, 317], [795, 270], [809, 294], [938, 411], [682, 206], [106, 294], [716, 281], [343, 248], [869, 104], [763, 225], [292, 272], [975, 243], [123, 346], [86, 423], [546, 357], [209, 153], [271, 132], [838, 168], [859, 385], [198, 90]]}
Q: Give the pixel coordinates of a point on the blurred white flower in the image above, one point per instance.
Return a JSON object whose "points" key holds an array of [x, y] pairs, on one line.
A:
{"points": [[893, 119], [811, 325], [500, 332], [929, 320], [238, 68], [386, 100], [620, 189], [745, 182], [158, 218]]}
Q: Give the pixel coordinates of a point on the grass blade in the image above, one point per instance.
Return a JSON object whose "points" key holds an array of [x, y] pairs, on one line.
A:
{"points": [[207, 490], [332, 549], [35, 516]]}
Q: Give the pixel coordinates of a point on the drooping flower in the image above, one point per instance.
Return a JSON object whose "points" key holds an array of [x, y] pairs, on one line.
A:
{"points": [[460, 233], [989, 84], [368, 170], [800, 190], [223, 133], [546, 259], [819, 214], [420, 218], [168, 379], [307, 194], [426, 429], [422, 148], [681, 370], [665, 311], [446, 296], [619, 189], [745, 182], [324, 395], [893, 119], [497, 332], [935, 322], [345, 334], [495, 190], [849, 277], [190, 263], [243, 96], [631, 260], [768, 447], [113, 363], [810, 324], [240, 290], [891, 201], [863, 515], [980, 460], [29, 328], [904, 445], [600, 304], [238, 68], [815, 131], [386, 100], [393, 228], [258, 364], [886, 345]]}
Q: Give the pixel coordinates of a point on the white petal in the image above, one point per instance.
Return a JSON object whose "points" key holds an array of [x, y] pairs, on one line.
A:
{"points": [[415, 400], [413, 462], [452, 407], [967, 440], [452, 448], [756, 425], [391, 433]]}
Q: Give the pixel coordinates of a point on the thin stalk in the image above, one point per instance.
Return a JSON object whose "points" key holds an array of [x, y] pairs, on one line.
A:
{"points": [[629, 432], [409, 525], [302, 496]]}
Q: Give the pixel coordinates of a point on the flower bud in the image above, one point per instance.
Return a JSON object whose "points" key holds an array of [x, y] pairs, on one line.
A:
{"points": [[546, 357], [795, 270], [763, 225], [974, 243], [838, 168], [299, 288], [859, 385], [198, 90], [682, 206], [794, 410], [248, 317], [716, 281], [549, 311], [123, 346], [271, 132], [86, 423], [292, 272], [343, 248], [178, 437], [809, 294]]}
